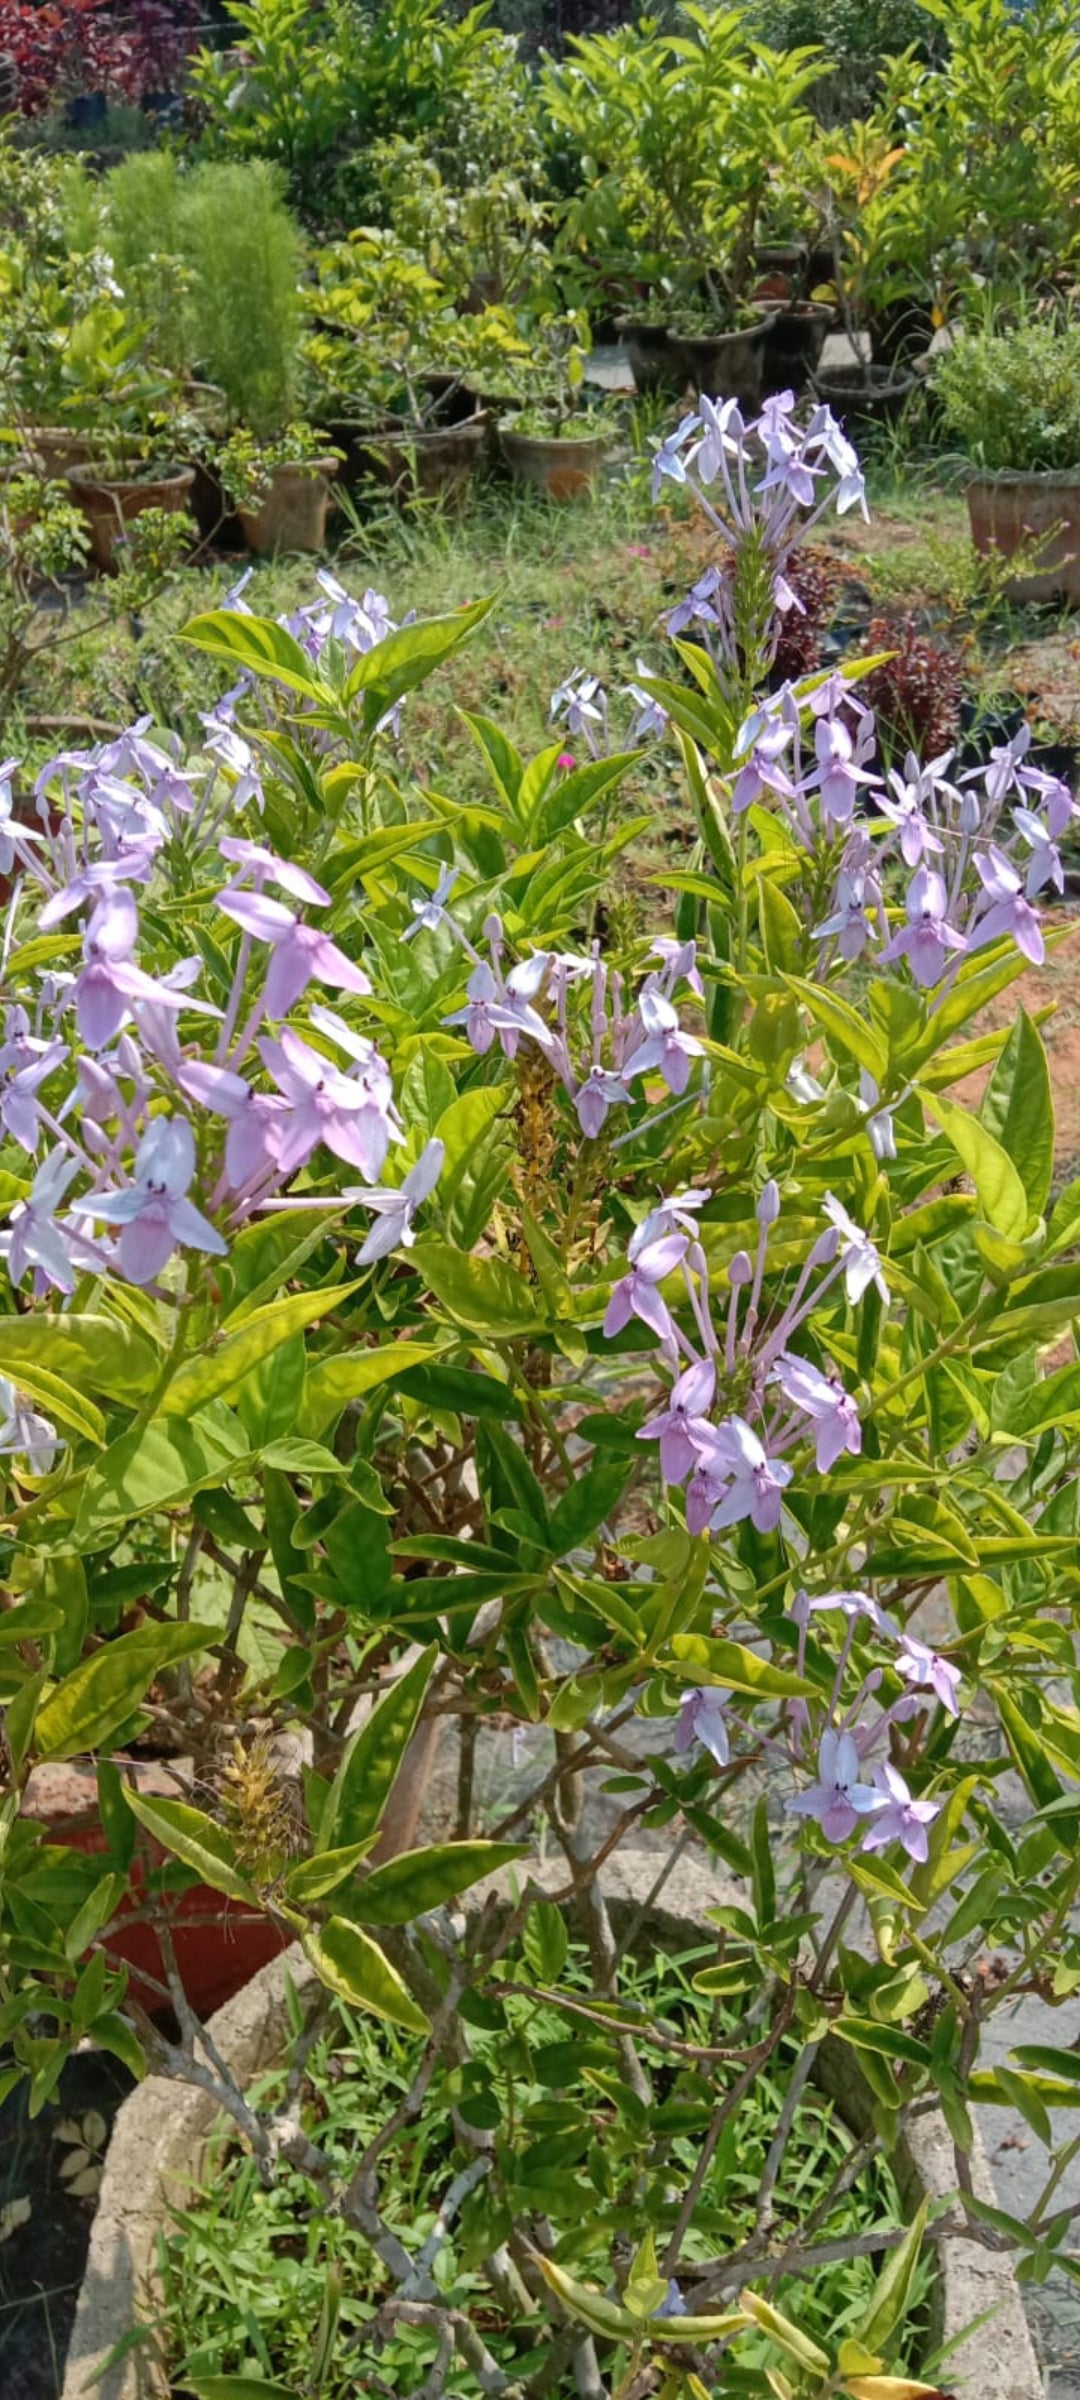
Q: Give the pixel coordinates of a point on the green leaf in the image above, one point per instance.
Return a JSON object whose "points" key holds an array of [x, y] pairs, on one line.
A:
{"points": [[588, 2307], [66, 1407], [349, 1963], [221, 1372], [892, 2291], [403, 659], [105, 1690], [1018, 1110], [787, 2336], [371, 1758], [844, 1025], [333, 1382], [740, 1669], [483, 1293], [420, 1880], [156, 1466], [237, 2387], [311, 1878], [96, 1354], [1001, 1194], [258, 645], [575, 794], [197, 1840]]}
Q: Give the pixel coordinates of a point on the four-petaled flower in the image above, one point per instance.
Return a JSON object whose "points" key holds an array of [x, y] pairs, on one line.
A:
{"points": [[701, 1719], [154, 1214], [395, 1210], [899, 1818], [838, 1799], [823, 1399]]}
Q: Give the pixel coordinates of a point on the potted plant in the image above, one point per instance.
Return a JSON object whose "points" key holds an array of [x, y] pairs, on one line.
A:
{"points": [[1010, 403], [394, 368], [280, 488], [868, 227], [557, 440]]}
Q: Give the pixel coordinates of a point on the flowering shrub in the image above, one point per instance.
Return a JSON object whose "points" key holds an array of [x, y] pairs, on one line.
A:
{"points": [[415, 1302]]}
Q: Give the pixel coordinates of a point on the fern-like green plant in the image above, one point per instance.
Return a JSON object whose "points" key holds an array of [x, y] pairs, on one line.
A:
{"points": [[141, 213], [244, 253]]}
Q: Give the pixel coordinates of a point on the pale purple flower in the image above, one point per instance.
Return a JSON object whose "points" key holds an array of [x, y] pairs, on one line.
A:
{"points": [[680, 962], [1008, 911], [25, 1434], [673, 2304], [110, 985], [352, 1114], [861, 1261], [906, 809], [755, 1482], [637, 1295], [681, 1428], [254, 858], [34, 1238], [667, 457], [601, 1090], [701, 1719], [849, 923], [652, 717], [581, 701], [823, 1399], [395, 1210], [299, 951], [428, 913], [103, 882], [851, 1605], [249, 1143], [880, 1126], [20, 1108], [924, 1670], [666, 1050], [837, 1800], [927, 938], [1044, 865], [154, 1214], [697, 608], [487, 1012], [669, 1216], [901, 1819], [1002, 770], [839, 775]]}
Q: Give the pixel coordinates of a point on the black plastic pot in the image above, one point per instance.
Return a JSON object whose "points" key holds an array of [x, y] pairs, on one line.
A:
{"points": [[727, 366], [657, 362], [794, 340], [876, 396], [85, 112]]}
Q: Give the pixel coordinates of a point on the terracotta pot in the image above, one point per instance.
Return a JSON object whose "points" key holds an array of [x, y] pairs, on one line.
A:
{"points": [[219, 1944], [656, 360], [110, 503], [561, 469], [293, 514], [875, 397], [794, 340], [435, 462], [55, 448], [1008, 512], [727, 366]]}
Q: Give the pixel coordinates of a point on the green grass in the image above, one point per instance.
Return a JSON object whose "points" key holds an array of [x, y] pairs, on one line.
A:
{"points": [[586, 585]]}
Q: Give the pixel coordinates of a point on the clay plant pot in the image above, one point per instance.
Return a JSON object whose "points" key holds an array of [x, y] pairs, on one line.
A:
{"points": [[780, 268], [55, 448], [561, 468], [431, 462], [876, 396], [727, 366], [794, 340], [656, 360], [1010, 511], [292, 516], [214, 514], [110, 502]]}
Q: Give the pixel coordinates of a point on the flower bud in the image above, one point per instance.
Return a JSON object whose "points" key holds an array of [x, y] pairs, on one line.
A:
{"points": [[768, 1207]]}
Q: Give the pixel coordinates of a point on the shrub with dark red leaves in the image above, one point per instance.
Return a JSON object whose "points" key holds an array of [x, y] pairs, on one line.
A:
{"points": [[66, 47], [916, 693], [812, 578]]}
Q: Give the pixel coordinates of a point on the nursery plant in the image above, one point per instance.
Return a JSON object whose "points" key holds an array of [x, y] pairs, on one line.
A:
{"points": [[445, 1301]]}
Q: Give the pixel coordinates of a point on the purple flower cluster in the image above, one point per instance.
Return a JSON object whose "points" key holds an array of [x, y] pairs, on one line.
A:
{"points": [[159, 1120], [741, 1397], [599, 1040], [841, 1800]]}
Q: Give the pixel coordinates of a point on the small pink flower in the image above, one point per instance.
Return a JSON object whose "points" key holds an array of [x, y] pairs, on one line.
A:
{"points": [[566, 761]]}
